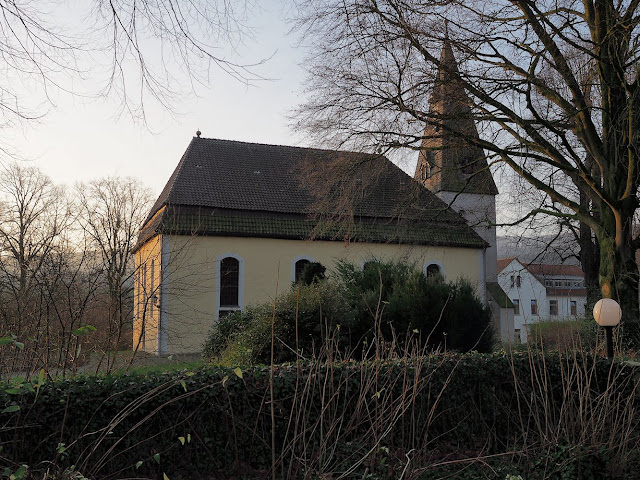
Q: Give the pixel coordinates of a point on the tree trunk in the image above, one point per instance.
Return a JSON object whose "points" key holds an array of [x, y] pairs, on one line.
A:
{"points": [[619, 280]]}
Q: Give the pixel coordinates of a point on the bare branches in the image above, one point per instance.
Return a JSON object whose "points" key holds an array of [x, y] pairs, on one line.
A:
{"points": [[552, 87], [134, 50]]}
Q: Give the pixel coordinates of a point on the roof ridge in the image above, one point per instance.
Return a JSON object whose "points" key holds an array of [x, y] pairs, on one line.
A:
{"points": [[315, 149]]}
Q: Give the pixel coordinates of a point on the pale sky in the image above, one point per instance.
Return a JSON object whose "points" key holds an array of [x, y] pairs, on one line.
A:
{"points": [[80, 139]]}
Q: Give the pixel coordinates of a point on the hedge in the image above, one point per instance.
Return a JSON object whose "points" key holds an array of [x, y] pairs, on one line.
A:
{"points": [[215, 421]]}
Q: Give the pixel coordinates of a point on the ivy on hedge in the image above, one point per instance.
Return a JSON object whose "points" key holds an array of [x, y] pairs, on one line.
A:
{"points": [[217, 419]]}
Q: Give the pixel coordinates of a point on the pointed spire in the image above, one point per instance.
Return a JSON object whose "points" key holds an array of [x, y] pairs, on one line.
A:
{"points": [[447, 162]]}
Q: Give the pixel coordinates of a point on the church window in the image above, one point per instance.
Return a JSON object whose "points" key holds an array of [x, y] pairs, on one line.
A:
{"points": [[434, 269], [229, 282], [299, 267]]}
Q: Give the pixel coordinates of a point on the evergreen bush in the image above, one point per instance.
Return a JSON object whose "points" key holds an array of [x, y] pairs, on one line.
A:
{"points": [[385, 301]]}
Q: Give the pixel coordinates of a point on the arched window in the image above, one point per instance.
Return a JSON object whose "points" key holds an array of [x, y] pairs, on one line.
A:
{"points": [[229, 282], [299, 267], [434, 269]]}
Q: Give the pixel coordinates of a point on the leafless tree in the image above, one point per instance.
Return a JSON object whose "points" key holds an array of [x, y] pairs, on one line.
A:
{"points": [[553, 87], [131, 50], [34, 215], [111, 213]]}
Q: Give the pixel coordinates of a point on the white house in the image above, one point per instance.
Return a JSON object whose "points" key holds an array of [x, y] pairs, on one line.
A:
{"points": [[542, 292]]}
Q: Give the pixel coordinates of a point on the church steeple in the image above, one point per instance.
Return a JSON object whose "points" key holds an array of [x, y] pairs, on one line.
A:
{"points": [[448, 161]]}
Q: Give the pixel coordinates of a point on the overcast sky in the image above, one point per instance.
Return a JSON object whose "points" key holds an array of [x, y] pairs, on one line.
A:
{"points": [[82, 139]]}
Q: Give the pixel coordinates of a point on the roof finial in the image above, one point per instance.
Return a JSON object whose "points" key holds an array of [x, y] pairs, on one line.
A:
{"points": [[198, 133]]}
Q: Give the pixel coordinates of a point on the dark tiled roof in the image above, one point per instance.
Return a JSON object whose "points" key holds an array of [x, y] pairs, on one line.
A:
{"points": [[450, 142], [240, 188], [208, 221]]}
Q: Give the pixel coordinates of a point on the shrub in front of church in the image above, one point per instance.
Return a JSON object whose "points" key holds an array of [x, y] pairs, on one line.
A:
{"points": [[400, 301], [313, 272], [348, 312], [304, 318]]}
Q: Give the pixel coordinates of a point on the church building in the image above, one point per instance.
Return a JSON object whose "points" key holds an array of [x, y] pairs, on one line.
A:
{"points": [[237, 221]]}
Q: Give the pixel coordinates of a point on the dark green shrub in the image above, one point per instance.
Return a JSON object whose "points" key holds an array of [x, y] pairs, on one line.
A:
{"points": [[542, 415], [405, 302], [312, 272], [389, 301], [227, 327], [303, 318]]}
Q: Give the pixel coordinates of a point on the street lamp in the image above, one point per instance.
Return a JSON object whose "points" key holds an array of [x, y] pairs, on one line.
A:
{"points": [[607, 313]]}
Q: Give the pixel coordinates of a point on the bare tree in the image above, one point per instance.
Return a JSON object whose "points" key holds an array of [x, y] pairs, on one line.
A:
{"points": [[111, 213], [553, 86], [34, 214], [132, 50]]}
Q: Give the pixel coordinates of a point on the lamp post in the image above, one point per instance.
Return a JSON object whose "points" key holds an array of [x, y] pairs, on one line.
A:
{"points": [[607, 314]]}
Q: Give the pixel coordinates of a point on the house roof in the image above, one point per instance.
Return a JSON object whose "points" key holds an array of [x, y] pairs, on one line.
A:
{"points": [[499, 295], [504, 262], [225, 187], [543, 269]]}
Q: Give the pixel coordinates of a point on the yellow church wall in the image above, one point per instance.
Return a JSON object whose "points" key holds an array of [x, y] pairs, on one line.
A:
{"points": [[190, 290], [146, 292]]}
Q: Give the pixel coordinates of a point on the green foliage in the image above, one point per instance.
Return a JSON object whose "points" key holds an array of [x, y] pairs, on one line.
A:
{"points": [[212, 420], [312, 272], [578, 333], [403, 300], [390, 301], [302, 319]]}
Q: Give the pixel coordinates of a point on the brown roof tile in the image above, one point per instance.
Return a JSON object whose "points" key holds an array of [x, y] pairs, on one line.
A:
{"points": [[542, 269], [504, 262]]}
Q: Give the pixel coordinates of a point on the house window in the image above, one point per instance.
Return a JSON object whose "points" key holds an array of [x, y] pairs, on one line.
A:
{"points": [[299, 267], [516, 306], [513, 281], [518, 281], [573, 305], [534, 307], [229, 282], [553, 307]]}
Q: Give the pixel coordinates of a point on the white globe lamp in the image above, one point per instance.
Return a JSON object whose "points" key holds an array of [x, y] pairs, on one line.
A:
{"points": [[607, 314]]}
